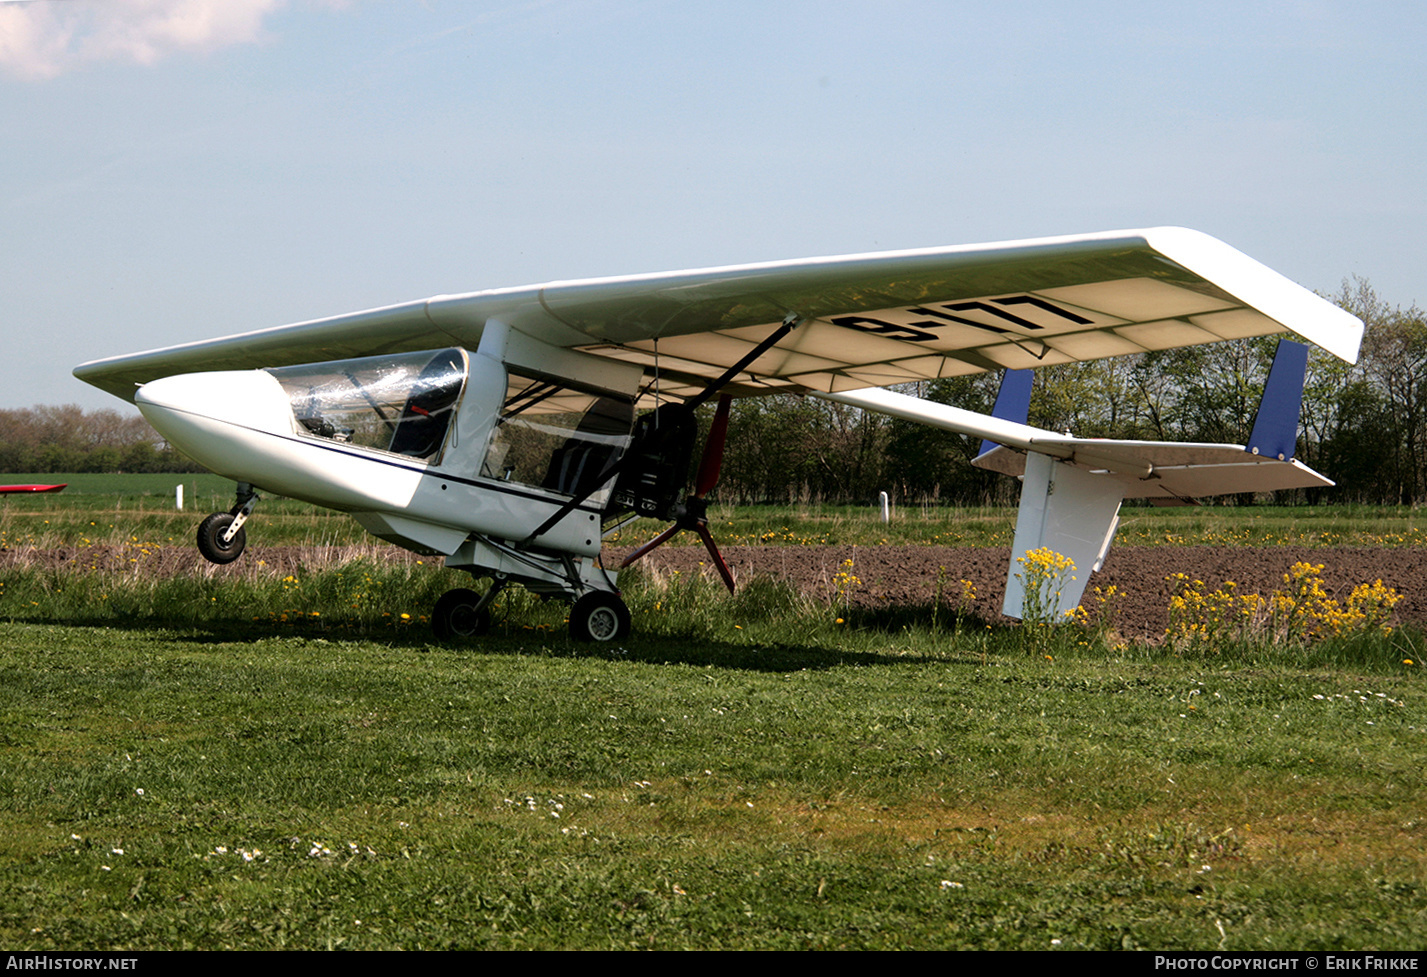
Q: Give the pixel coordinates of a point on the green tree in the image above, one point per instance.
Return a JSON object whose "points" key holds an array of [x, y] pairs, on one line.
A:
{"points": [[1394, 362]]}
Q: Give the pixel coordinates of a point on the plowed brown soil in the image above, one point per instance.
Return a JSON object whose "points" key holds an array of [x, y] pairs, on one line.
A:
{"points": [[887, 575], [891, 575]]}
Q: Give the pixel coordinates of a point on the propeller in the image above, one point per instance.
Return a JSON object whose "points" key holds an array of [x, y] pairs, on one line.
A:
{"points": [[692, 513]]}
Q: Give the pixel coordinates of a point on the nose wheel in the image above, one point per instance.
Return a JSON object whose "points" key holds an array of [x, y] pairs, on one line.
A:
{"points": [[218, 541], [220, 537]]}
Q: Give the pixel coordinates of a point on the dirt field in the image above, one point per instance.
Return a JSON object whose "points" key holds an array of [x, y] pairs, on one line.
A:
{"points": [[888, 575], [908, 574]]}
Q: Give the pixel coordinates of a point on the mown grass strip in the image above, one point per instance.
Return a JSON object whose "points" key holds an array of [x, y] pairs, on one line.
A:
{"points": [[142, 506]]}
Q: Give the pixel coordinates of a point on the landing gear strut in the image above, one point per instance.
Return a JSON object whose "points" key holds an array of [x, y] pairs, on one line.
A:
{"points": [[597, 614], [220, 537]]}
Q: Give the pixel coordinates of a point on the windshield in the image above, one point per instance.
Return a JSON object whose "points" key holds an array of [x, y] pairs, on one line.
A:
{"points": [[401, 403]]}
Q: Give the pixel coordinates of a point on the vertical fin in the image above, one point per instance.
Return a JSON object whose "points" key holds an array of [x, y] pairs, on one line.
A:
{"points": [[1013, 401], [1067, 510], [1275, 433]]}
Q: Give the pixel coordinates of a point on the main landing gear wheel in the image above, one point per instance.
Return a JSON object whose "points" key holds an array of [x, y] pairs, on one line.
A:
{"points": [[455, 616], [599, 616], [211, 543]]}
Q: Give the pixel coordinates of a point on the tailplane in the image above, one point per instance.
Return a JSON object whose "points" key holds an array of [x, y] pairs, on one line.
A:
{"points": [[1071, 488]]}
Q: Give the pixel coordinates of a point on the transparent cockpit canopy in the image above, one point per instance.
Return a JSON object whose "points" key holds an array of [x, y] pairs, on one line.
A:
{"points": [[555, 436], [402, 403]]}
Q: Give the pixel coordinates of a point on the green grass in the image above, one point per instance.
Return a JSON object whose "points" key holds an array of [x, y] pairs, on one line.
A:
{"points": [[995, 526], [128, 512], [265, 760], [741, 773], [119, 485], [142, 506]]}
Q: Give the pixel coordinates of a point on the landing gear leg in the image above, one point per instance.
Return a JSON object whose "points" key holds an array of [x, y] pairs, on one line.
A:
{"points": [[220, 537]]}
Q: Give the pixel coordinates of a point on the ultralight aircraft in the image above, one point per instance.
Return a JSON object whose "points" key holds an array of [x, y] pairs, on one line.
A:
{"points": [[510, 430]]}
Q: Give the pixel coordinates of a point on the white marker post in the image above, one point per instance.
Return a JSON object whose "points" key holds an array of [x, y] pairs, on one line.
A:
{"points": [[178, 496]]}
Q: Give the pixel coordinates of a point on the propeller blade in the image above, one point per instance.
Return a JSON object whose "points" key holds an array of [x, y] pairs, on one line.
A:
{"points": [[691, 515], [712, 461], [654, 543], [723, 571]]}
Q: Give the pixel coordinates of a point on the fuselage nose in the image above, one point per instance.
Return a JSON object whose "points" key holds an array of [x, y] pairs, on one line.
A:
{"points": [[241, 425], [250, 398], [205, 414]]}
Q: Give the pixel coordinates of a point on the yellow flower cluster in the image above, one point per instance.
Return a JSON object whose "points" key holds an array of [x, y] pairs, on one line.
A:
{"points": [[782, 536], [1205, 617], [1045, 575], [1299, 612], [845, 582]]}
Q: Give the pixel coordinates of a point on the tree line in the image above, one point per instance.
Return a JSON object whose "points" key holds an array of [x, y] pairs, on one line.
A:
{"points": [[69, 439], [1363, 425]]}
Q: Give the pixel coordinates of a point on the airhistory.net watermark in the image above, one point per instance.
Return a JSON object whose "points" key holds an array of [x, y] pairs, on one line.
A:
{"points": [[56, 961]]}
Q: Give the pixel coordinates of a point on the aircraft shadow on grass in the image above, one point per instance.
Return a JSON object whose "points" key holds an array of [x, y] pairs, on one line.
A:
{"points": [[690, 649]]}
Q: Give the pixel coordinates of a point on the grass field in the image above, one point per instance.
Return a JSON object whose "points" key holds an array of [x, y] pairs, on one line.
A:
{"points": [[159, 486], [144, 504], [288, 762]]}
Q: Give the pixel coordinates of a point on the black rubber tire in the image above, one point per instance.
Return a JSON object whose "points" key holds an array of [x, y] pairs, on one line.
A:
{"points": [[454, 617], [210, 539], [599, 616]]}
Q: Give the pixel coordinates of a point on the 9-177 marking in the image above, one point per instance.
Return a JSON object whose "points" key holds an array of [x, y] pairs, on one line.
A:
{"points": [[915, 331]]}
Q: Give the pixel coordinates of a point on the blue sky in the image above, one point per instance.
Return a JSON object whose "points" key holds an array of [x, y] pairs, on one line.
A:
{"points": [[175, 170]]}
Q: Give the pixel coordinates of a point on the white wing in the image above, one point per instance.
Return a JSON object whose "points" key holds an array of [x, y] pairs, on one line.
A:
{"points": [[866, 320]]}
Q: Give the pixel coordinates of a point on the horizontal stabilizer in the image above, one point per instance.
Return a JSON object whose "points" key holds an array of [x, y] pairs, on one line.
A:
{"points": [[1147, 469], [1167, 469]]}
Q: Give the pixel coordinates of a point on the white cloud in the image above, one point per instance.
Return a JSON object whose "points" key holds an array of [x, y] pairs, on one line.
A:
{"points": [[44, 38]]}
